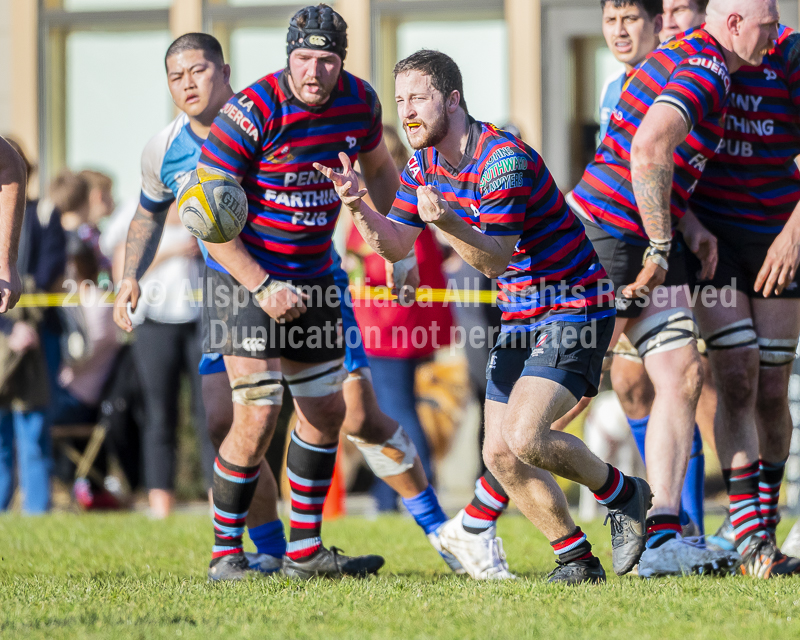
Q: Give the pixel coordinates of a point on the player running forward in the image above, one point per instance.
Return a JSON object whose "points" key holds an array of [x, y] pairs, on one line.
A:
{"points": [[496, 203], [749, 197], [668, 123], [631, 29]]}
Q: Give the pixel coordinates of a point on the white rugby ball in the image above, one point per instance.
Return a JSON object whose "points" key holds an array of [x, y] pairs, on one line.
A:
{"points": [[212, 205]]}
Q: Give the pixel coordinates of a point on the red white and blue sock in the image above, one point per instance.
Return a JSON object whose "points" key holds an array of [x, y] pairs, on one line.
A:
{"points": [[572, 548], [617, 489], [310, 470], [769, 491], [745, 508], [269, 538], [426, 510], [233, 489], [487, 506], [662, 528]]}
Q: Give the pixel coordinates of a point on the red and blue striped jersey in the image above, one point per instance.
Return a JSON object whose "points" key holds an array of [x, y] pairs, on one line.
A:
{"points": [[753, 183], [503, 188], [688, 74], [268, 137]]}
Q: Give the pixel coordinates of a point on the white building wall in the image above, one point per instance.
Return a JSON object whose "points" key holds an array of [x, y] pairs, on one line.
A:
{"points": [[6, 60]]}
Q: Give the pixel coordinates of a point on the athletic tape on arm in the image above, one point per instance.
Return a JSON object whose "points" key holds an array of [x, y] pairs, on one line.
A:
{"points": [[319, 380], [393, 457], [258, 389], [665, 331]]}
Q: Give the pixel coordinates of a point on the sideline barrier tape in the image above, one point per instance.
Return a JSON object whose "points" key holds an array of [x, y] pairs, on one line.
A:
{"points": [[377, 294]]}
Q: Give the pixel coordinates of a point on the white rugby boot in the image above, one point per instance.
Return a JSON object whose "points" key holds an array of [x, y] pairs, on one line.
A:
{"points": [[685, 556], [481, 555], [449, 558], [791, 546]]}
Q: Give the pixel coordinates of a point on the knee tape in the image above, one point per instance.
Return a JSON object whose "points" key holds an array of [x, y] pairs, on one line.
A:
{"points": [[318, 381], [733, 336], [391, 458], [664, 331], [625, 349], [258, 389], [776, 353]]}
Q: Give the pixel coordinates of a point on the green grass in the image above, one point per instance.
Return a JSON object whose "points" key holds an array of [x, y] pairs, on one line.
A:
{"points": [[123, 576]]}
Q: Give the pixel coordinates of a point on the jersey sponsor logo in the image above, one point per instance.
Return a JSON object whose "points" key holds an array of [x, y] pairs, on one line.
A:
{"points": [[238, 118], [413, 167], [310, 218], [246, 103], [738, 148], [254, 344], [509, 181], [302, 199], [351, 141], [715, 67], [745, 102], [745, 125], [502, 152], [281, 155], [506, 165], [303, 178]]}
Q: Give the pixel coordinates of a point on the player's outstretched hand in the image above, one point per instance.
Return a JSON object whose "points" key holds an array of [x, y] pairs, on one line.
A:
{"points": [[648, 279], [703, 244], [10, 287], [345, 183], [286, 304], [432, 206], [780, 266], [128, 293]]}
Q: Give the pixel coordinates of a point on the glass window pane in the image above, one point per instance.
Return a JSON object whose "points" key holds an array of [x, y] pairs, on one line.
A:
{"points": [[114, 5], [255, 52], [479, 48], [606, 67], [113, 109]]}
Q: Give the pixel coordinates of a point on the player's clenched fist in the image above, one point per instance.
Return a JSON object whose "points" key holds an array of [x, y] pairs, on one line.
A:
{"points": [[281, 301], [128, 293], [432, 206]]}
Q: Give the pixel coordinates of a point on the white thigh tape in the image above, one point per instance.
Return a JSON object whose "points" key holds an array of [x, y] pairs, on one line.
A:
{"points": [[624, 349], [776, 353], [665, 331], [319, 380], [733, 336], [393, 457], [258, 389]]}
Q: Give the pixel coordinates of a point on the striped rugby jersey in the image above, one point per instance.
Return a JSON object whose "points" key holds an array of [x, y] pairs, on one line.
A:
{"points": [[502, 187], [688, 74], [753, 183], [270, 138]]}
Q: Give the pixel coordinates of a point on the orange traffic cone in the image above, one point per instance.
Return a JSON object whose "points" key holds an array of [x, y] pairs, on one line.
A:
{"points": [[335, 501]]}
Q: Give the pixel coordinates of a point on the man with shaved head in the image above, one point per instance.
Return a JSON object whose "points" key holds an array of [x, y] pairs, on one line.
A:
{"points": [[667, 125]]}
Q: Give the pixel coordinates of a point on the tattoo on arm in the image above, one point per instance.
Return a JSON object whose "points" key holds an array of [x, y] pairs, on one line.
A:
{"points": [[652, 187], [144, 235]]}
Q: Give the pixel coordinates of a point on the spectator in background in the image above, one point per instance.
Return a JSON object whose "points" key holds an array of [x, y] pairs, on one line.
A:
{"points": [[395, 350], [12, 208], [29, 358], [168, 342], [101, 198]]}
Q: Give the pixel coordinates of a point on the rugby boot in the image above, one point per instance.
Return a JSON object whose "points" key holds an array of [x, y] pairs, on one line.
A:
{"points": [[762, 559], [791, 546], [577, 572], [263, 562], [680, 556], [449, 558], [724, 539], [481, 555], [331, 563], [628, 531], [229, 568]]}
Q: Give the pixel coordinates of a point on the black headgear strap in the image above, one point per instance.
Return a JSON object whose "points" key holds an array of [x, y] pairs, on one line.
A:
{"points": [[318, 32]]}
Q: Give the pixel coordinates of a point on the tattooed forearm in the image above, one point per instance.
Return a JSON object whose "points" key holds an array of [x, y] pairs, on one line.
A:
{"points": [[652, 187], [144, 235]]}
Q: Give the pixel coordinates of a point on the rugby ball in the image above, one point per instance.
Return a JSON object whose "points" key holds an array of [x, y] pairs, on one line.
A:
{"points": [[212, 205]]}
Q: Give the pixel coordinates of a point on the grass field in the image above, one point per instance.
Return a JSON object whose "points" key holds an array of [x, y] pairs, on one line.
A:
{"points": [[124, 576]]}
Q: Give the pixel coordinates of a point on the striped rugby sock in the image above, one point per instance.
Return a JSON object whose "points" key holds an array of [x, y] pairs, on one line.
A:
{"points": [[617, 489], [769, 491], [233, 489], [573, 547], [310, 469], [662, 528], [745, 510], [487, 506]]}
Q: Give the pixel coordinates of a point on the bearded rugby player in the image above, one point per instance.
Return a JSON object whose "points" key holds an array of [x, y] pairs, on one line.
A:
{"points": [[468, 176], [668, 123]]}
